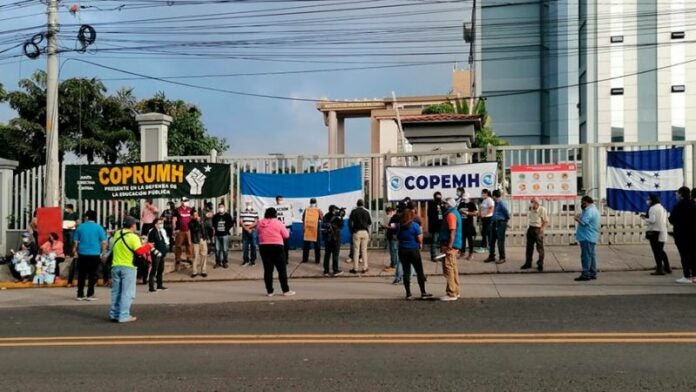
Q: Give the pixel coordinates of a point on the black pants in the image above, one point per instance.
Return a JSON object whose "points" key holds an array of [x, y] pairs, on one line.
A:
{"points": [[685, 248], [286, 247], [485, 231], [305, 251], [87, 270], [58, 261], [273, 256], [68, 242], [13, 271], [658, 249], [106, 270], [408, 258], [331, 253], [156, 272], [534, 237], [468, 237], [72, 269], [142, 272]]}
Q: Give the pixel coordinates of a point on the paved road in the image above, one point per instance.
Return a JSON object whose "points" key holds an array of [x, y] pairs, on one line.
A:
{"points": [[609, 343]]}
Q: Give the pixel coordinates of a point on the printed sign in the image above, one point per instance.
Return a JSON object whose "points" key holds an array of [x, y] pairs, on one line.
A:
{"points": [[419, 183], [157, 180], [544, 181]]}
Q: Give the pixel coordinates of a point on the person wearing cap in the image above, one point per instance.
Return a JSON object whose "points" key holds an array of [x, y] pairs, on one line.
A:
{"points": [[450, 243], [123, 271], [468, 210], [311, 218], [183, 236], [89, 243], [538, 219], [331, 228]]}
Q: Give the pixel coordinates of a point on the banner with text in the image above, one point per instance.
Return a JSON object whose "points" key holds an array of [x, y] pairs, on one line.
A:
{"points": [[419, 183], [156, 180], [544, 181]]}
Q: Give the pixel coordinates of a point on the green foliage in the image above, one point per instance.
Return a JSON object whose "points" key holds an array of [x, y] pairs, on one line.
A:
{"points": [[442, 108]]}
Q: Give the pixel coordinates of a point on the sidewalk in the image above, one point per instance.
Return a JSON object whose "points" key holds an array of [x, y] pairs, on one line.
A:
{"points": [[558, 259]]}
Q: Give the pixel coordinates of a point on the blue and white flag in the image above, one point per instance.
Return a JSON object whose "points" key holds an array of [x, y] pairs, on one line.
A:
{"points": [[632, 176], [342, 187]]}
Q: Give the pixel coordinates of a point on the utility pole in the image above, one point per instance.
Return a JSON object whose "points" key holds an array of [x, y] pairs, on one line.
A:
{"points": [[52, 196]]}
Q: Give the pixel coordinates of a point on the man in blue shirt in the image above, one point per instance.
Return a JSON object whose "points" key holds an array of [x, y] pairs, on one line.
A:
{"points": [[89, 244], [499, 222], [587, 234]]}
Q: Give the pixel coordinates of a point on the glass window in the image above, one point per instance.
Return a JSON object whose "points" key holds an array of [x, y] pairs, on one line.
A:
{"points": [[678, 134], [617, 135]]}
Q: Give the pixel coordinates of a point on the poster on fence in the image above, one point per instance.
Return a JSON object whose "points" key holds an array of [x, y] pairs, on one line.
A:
{"points": [[156, 180], [544, 181], [419, 183], [342, 188]]}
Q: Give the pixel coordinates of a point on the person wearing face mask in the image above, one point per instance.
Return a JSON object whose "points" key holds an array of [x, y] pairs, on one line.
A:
{"points": [[311, 218], [222, 224], [169, 222], [538, 219], [486, 213], [249, 219], [683, 219], [54, 245], [183, 236], [157, 236], [435, 212], [587, 234], [468, 210], [656, 233]]}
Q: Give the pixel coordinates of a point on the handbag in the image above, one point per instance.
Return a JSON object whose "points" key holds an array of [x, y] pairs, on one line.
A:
{"points": [[138, 260]]}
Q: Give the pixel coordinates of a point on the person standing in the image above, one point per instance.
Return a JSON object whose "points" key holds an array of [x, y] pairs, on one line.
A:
{"points": [[359, 223], [450, 244], [683, 219], [286, 215], [468, 210], [70, 221], [410, 239], [249, 220], [200, 245], [89, 245], [331, 227], [123, 271], [272, 232], [538, 220], [487, 207], [499, 222], [147, 217], [656, 233], [435, 209], [183, 236], [587, 234], [311, 219], [169, 222], [389, 225], [222, 223], [160, 245]]}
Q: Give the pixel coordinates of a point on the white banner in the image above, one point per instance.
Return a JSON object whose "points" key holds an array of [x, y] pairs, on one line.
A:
{"points": [[419, 183]]}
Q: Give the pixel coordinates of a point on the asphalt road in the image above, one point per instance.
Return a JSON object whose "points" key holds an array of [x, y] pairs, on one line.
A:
{"points": [[528, 344]]}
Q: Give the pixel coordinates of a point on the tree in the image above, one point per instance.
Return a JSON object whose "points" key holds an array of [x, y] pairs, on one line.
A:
{"points": [[441, 108], [485, 136]]}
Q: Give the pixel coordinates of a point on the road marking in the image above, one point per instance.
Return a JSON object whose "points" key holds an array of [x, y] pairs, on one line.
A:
{"points": [[356, 339]]}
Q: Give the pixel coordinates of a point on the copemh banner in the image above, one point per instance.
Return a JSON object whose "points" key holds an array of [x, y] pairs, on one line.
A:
{"points": [[157, 180], [419, 183]]}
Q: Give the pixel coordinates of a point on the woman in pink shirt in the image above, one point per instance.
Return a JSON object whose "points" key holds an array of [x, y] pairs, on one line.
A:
{"points": [[54, 245], [272, 232]]}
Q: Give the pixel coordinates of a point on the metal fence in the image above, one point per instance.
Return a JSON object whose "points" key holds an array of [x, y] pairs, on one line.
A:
{"points": [[617, 227]]}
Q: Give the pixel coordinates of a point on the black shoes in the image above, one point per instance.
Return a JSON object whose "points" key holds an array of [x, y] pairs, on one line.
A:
{"points": [[526, 266], [582, 279]]}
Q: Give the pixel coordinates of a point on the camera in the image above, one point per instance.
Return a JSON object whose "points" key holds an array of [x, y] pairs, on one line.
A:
{"points": [[342, 212]]}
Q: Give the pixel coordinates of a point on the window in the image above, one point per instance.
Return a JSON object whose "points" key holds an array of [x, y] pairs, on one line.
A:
{"points": [[582, 105], [678, 35], [617, 91], [583, 132], [678, 134], [617, 135], [678, 88], [615, 39]]}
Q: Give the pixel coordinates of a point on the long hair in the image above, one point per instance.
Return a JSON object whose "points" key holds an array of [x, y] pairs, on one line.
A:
{"points": [[407, 217]]}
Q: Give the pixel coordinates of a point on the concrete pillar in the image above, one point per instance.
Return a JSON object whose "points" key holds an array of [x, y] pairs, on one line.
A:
{"points": [[154, 134], [375, 136], [333, 133], [341, 136], [7, 168]]}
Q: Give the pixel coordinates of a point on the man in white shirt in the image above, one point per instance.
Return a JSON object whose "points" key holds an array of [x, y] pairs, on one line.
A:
{"points": [[487, 207]]}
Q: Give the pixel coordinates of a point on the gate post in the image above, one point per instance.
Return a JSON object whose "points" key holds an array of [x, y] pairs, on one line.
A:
{"points": [[7, 168], [154, 133]]}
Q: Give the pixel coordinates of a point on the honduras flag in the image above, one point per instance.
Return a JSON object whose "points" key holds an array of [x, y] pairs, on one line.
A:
{"points": [[342, 187], [632, 176]]}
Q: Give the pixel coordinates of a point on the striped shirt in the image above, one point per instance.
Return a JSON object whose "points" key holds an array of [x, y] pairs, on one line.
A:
{"points": [[248, 217]]}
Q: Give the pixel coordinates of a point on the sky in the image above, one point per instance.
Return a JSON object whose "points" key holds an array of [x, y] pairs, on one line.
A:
{"points": [[410, 46]]}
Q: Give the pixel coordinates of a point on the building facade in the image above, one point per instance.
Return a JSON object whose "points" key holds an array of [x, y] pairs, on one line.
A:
{"points": [[567, 72]]}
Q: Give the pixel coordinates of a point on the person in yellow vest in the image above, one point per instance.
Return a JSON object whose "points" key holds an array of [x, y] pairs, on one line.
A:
{"points": [[123, 272], [311, 219]]}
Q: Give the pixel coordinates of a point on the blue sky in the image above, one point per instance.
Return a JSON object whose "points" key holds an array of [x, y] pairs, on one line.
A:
{"points": [[279, 35]]}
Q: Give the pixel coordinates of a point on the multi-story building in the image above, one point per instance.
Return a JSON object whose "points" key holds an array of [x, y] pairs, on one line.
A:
{"points": [[577, 71]]}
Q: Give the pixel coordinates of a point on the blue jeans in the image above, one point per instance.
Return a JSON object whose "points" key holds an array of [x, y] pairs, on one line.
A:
{"points": [[498, 229], [222, 246], [588, 258], [393, 245], [248, 247], [122, 292], [434, 245]]}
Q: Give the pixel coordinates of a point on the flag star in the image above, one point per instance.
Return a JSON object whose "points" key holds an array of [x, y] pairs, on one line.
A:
{"points": [[207, 168], [657, 186], [629, 184], [642, 179], [628, 174], [657, 175]]}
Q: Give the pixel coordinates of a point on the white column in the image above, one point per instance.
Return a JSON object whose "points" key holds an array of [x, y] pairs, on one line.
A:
{"points": [[6, 172], [341, 136], [154, 131], [333, 133]]}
